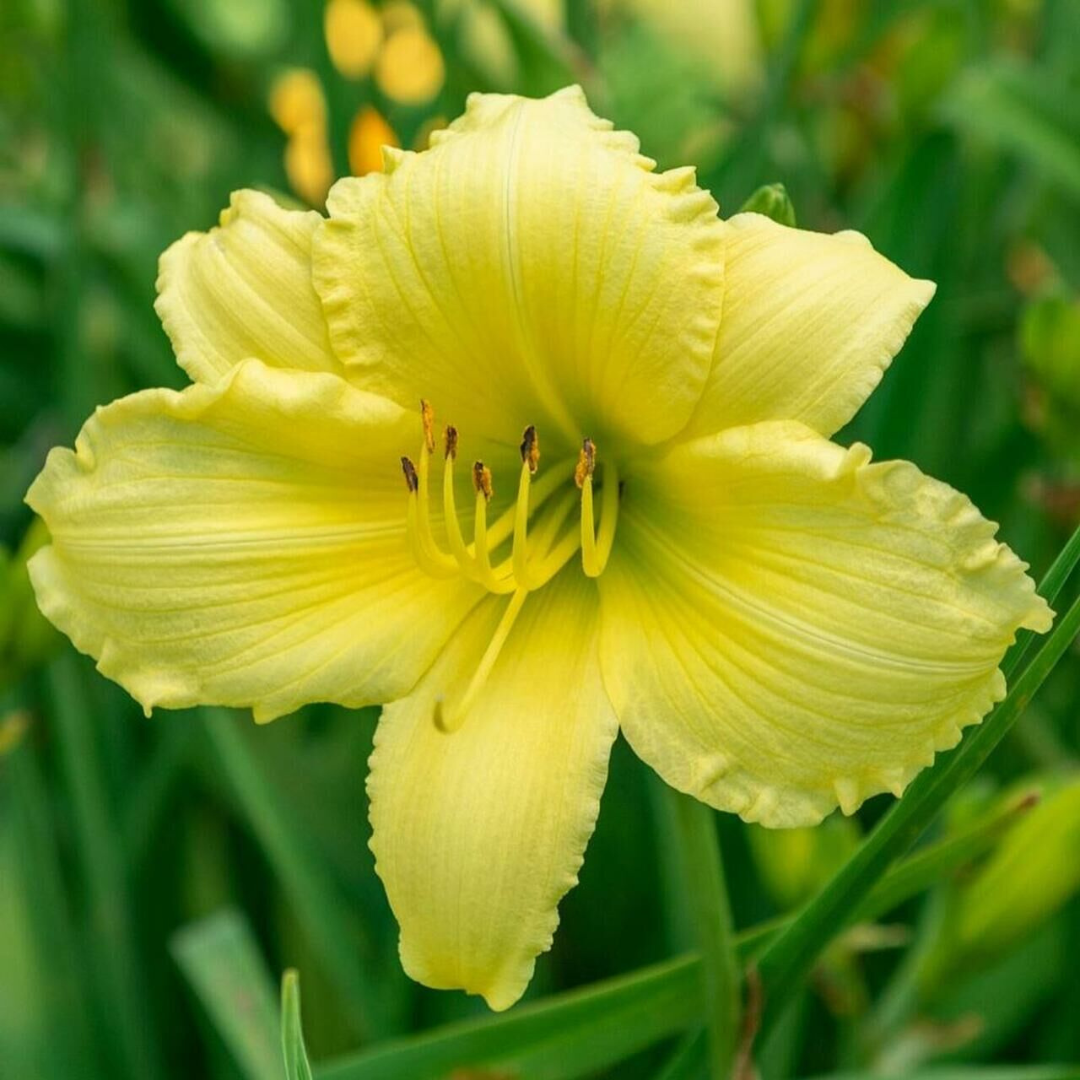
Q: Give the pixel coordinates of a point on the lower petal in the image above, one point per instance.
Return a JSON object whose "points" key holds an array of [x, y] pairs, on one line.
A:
{"points": [[479, 834], [242, 544], [788, 628]]}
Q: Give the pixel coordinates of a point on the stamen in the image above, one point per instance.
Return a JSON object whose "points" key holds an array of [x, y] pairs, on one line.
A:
{"points": [[452, 722], [481, 545], [427, 415], [481, 478], [422, 556], [595, 550], [453, 525], [409, 469], [433, 553], [530, 462], [530, 448], [586, 463]]}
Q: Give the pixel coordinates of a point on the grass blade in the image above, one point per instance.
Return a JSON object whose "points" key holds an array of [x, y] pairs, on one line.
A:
{"points": [[975, 1072], [788, 959], [297, 1066], [223, 965], [569, 1035], [711, 918], [115, 958], [319, 903]]}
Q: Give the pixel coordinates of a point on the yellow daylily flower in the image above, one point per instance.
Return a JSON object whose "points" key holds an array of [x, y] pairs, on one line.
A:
{"points": [[673, 547]]}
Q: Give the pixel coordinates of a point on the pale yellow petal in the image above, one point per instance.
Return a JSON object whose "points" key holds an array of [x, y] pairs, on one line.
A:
{"points": [[788, 628], [811, 322], [529, 268], [480, 833], [242, 544], [244, 290]]}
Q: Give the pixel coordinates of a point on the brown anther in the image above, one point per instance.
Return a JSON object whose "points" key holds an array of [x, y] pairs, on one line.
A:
{"points": [[481, 478], [411, 479], [530, 448], [450, 442], [427, 414], [586, 462]]}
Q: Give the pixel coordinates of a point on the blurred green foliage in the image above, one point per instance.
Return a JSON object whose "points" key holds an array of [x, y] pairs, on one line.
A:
{"points": [[153, 874]]}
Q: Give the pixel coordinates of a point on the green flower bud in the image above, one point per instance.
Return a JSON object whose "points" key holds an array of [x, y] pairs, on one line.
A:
{"points": [[773, 201], [1034, 871]]}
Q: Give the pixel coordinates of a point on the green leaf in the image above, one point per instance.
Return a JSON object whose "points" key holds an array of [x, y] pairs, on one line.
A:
{"points": [[569, 1035], [974, 1072], [223, 965], [711, 919], [292, 1031], [320, 904], [787, 960], [687, 1061], [1024, 111]]}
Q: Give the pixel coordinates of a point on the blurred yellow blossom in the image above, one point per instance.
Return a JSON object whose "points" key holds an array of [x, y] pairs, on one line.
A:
{"points": [[410, 68], [368, 135], [354, 33], [298, 106]]}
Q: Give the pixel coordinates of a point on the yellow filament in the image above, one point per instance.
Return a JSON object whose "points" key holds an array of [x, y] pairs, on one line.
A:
{"points": [[420, 554], [596, 549], [520, 558], [540, 491], [453, 526], [588, 530], [432, 551], [451, 723], [487, 577]]}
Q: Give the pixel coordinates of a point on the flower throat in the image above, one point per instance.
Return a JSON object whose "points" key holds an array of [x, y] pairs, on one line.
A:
{"points": [[539, 549]]}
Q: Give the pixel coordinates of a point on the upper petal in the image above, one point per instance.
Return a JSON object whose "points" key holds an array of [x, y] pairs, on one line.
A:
{"points": [[787, 627], [810, 323], [529, 268], [242, 544], [479, 834], [244, 290]]}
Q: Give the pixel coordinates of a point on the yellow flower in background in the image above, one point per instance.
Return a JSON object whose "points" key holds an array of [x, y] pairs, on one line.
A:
{"points": [[368, 135], [392, 43], [621, 508], [354, 35], [298, 107]]}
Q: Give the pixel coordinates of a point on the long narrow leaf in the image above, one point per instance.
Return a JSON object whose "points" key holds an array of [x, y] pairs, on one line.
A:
{"points": [[222, 963], [320, 905], [297, 1066], [711, 918], [567, 1036]]}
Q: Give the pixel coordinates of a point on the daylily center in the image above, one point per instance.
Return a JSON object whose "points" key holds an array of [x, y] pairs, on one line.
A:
{"points": [[539, 528]]}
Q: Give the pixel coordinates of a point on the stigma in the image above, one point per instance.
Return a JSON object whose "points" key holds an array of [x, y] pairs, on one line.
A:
{"points": [[525, 546]]}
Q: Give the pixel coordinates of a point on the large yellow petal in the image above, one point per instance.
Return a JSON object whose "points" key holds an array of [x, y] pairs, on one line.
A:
{"points": [[788, 628], [244, 290], [242, 544], [479, 834], [529, 268], [811, 322]]}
